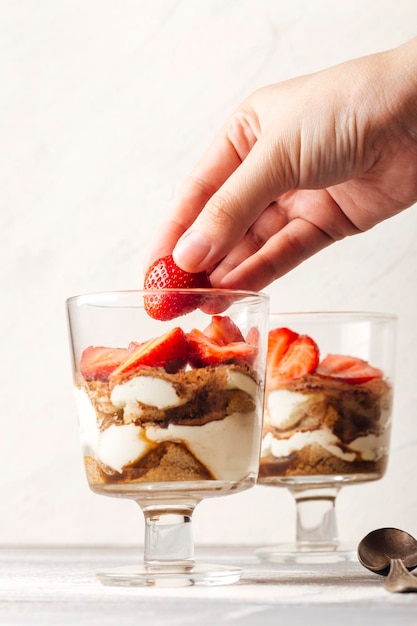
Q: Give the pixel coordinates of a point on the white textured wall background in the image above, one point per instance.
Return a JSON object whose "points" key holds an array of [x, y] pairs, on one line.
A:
{"points": [[104, 107]]}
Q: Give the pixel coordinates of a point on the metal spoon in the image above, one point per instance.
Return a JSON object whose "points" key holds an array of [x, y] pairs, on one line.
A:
{"points": [[392, 553]]}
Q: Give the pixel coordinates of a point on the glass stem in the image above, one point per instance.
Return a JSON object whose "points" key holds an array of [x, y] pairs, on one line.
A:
{"points": [[168, 538], [316, 517]]}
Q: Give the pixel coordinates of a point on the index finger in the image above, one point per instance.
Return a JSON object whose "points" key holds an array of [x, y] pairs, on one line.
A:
{"points": [[215, 167]]}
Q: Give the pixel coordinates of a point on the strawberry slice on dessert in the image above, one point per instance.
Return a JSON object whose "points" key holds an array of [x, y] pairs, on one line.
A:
{"points": [[98, 362], [253, 336], [348, 369], [169, 351], [165, 274], [134, 345], [222, 330], [279, 340], [203, 351], [290, 356]]}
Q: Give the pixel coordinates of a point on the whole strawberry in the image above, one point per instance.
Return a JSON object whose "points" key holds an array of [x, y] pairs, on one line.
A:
{"points": [[165, 274]]}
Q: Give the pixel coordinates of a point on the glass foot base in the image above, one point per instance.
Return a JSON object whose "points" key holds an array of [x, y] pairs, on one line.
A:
{"points": [[293, 553], [140, 576]]}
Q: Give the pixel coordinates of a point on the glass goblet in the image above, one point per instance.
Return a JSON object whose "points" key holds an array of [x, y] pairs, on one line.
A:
{"points": [[161, 406], [327, 420]]}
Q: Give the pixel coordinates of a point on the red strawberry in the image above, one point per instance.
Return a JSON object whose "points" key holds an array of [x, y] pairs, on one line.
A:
{"points": [[97, 363], [165, 274], [350, 369], [134, 345], [289, 356], [222, 330], [204, 351], [279, 340], [253, 336], [169, 351]]}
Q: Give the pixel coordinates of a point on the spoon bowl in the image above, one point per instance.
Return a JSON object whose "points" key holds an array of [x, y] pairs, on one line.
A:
{"points": [[376, 550], [392, 553]]}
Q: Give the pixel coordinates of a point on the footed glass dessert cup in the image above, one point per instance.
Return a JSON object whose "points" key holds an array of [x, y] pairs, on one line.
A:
{"points": [[170, 412], [327, 420]]}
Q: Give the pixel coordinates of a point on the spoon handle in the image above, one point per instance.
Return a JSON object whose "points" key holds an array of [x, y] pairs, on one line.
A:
{"points": [[399, 578]]}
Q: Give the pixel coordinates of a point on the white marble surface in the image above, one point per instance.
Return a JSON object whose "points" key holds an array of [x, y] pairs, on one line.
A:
{"points": [[59, 586], [104, 107]]}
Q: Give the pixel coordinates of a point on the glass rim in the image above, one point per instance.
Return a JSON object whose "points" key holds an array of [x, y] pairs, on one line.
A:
{"points": [[354, 313], [108, 295]]}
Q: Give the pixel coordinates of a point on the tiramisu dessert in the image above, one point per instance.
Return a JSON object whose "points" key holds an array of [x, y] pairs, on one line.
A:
{"points": [[184, 406], [323, 416]]}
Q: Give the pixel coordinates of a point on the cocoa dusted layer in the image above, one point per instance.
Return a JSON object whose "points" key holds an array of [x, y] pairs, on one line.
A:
{"points": [[348, 411], [206, 398], [315, 460], [203, 390], [168, 461]]}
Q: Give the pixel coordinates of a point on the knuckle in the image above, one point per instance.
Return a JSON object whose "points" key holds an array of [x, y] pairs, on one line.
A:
{"points": [[221, 212], [256, 238], [272, 268], [205, 187]]}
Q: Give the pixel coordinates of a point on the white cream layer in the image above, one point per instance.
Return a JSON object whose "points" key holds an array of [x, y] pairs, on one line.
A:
{"points": [[162, 394], [368, 448], [147, 390], [283, 411], [282, 407], [227, 447]]}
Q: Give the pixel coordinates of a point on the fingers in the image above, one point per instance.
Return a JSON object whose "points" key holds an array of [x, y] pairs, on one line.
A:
{"points": [[233, 209], [298, 240], [290, 230], [221, 159], [190, 199], [225, 194], [272, 220]]}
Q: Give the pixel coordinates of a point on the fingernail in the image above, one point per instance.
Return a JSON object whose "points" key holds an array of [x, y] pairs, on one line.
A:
{"points": [[191, 250]]}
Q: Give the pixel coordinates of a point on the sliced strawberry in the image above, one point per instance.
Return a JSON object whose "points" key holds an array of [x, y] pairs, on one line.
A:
{"points": [[134, 345], [204, 351], [97, 363], [222, 330], [165, 274], [279, 340], [169, 351], [350, 369], [253, 336], [289, 356]]}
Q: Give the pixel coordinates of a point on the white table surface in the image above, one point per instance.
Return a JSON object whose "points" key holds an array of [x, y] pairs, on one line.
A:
{"points": [[57, 586]]}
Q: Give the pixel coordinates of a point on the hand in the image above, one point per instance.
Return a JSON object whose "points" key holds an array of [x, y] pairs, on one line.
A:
{"points": [[299, 165]]}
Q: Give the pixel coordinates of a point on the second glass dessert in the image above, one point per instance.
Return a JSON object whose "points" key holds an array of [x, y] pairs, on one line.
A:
{"points": [[327, 421]]}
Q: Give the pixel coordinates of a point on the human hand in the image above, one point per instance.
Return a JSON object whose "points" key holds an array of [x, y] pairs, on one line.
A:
{"points": [[299, 165]]}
